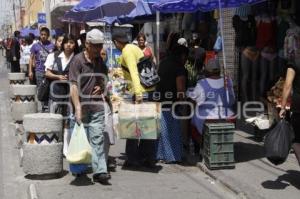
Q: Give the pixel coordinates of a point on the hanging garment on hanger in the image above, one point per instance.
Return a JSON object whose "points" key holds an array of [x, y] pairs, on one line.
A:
{"points": [[266, 34], [292, 44], [245, 31]]}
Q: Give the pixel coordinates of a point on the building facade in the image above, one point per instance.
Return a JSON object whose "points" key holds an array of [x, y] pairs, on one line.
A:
{"points": [[32, 8]]}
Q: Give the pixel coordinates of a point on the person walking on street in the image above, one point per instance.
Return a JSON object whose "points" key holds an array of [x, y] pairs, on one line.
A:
{"points": [[171, 88], [139, 152], [15, 53], [292, 83], [25, 54], [87, 75], [57, 68], [39, 53]]}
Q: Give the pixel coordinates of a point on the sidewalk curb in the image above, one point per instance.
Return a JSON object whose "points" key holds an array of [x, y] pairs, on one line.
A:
{"points": [[239, 194], [32, 193]]}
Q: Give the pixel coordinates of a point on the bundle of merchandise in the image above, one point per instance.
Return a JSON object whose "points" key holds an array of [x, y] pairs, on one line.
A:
{"points": [[275, 94]]}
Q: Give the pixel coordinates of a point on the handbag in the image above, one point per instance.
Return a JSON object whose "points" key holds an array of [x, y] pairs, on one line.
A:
{"points": [[44, 90]]}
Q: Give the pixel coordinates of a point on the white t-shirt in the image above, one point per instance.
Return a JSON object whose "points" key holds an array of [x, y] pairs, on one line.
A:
{"points": [[198, 95], [25, 54], [49, 64]]}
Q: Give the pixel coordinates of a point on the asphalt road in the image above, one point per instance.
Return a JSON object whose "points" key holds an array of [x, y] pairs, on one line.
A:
{"points": [[169, 181]]}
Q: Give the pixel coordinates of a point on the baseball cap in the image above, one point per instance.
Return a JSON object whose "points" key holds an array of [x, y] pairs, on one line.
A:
{"points": [[120, 37], [95, 36], [82, 32], [183, 42]]}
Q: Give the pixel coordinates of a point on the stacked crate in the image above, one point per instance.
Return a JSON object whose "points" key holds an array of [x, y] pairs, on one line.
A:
{"points": [[219, 145]]}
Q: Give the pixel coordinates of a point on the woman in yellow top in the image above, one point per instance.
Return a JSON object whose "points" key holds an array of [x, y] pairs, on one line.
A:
{"points": [[138, 152]]}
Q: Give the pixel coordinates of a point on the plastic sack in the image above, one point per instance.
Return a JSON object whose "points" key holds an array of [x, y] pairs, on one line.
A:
{"points": [[218, 44], [79, 168], [79, 151], [278, 142]]}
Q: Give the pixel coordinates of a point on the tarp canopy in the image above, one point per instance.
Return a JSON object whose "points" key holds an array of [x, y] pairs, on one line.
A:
{"points": [[172, 6], [26, 31], [109, 11]]}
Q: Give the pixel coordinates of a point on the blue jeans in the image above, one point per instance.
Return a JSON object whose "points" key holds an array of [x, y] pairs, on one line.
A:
{"points": [[94, 126]]}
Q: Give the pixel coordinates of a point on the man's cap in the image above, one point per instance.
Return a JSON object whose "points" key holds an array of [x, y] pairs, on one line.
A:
{"points": [[95, 36], [82, 32], [183, 42], [120, 37]]}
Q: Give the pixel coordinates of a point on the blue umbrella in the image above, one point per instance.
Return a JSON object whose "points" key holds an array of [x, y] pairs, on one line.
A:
{"points": [[108, 10], [171, 6], [36, 32], [25, 31]]}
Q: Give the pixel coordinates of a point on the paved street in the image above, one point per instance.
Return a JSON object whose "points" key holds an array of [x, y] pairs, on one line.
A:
{"points": [[170, 181], [254, 177]]}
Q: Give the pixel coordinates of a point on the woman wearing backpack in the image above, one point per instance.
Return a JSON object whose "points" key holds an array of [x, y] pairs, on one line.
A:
{"points": [[57, 69]]}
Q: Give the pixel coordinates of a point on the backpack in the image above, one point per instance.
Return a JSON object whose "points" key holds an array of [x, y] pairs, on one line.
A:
{"points": [[147, 72]]}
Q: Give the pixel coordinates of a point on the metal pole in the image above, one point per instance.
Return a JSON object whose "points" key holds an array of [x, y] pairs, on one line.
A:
{"points": [[224, 53], [69, 26], [48, 13], [157, 36]]}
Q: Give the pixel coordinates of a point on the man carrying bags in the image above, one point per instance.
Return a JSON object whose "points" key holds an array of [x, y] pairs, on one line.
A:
{"points": [[139, 152], [88, 75]]}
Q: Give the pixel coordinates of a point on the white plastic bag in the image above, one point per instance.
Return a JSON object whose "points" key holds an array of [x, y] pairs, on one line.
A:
{"points": [[67, 138], [79, 151]]}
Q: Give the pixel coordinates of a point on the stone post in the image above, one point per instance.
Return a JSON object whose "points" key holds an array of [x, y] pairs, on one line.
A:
{"points": [[16, 78], [22, 101], [42, 151]]}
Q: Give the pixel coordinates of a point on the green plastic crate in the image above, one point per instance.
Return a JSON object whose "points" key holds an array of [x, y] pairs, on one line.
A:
{"points": [[219, 145]]}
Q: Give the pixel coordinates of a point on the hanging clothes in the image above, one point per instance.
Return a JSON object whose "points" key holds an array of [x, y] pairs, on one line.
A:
{"points": [[292, 44], [282, 29], [266, 33], [243, 11], [245, 31]]}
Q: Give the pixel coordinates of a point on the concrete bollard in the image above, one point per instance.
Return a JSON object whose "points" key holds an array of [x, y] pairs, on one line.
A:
{"points": [[16, 78], [42, 151], [22, 101]]}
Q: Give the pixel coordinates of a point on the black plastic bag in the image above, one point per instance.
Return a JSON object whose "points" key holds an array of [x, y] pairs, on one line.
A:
{"points": [[278, 142]]}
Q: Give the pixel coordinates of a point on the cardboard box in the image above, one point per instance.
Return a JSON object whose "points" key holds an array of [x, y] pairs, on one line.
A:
{"points": [[139, 121]]}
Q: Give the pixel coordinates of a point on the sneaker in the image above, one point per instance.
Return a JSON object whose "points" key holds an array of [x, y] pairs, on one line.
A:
{"points": [[149, 164], [132, 165], [111, 165], [102, 178]]}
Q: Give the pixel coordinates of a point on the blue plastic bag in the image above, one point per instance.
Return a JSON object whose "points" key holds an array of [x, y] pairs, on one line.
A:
{"points": [[79, 168], [218, 44]]}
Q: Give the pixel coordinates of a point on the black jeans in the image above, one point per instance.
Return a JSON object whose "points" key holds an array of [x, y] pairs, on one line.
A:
{"points": [[141, 150], [267, 75], [15, 67], [249, 78]]}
